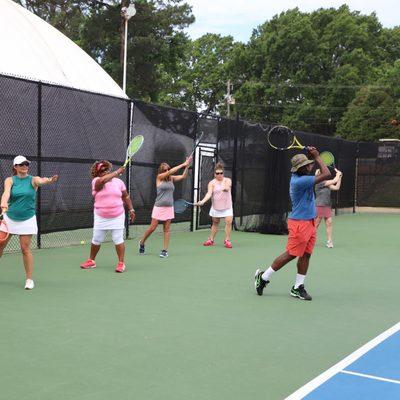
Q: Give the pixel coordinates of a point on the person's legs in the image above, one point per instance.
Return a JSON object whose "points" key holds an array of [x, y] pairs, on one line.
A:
{"points": [[98, 237], [262, 277], [149, 231], [228, 228], [214, 227], [118, 239], [328, 224], [298, 289], [25, 243], [317, 221], [166, 228]]}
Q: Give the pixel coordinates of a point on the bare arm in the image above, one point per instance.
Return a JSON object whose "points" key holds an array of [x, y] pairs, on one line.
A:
{"points": [[172, 171], [6, 194], [325, 174], [207, 196], [335, 180], [99, 184], [177, 178], [337, 185], [227, 185], [128, 205], [38, 181]]}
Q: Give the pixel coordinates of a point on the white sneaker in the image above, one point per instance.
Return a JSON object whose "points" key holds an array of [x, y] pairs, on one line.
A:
{"points": [[29, 284], [329, 244]]}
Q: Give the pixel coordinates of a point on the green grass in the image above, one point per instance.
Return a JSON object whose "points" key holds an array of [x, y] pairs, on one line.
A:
{"points": [[191, 326]]}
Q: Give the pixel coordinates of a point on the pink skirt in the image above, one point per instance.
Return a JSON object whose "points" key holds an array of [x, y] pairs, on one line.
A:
{"points": [[324, 212], [163, 213]]}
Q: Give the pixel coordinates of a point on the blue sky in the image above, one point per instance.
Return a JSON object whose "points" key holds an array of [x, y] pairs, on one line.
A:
{"points": [[239, 17]]}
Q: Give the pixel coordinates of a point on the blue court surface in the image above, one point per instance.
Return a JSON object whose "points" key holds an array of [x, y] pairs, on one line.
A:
{"points": [[370, 373]]}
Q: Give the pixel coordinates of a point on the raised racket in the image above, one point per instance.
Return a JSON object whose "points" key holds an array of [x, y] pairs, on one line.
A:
{"points": [[328, 158], [133, 147], [282, 138], [196, 143]]}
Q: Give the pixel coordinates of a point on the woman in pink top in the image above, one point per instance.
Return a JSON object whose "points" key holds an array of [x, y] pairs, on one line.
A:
{"points": [[219, 191], [110, 196]]}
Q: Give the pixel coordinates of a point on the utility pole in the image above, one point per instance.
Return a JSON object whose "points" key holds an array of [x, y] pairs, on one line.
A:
{"points": [[229, 99]]}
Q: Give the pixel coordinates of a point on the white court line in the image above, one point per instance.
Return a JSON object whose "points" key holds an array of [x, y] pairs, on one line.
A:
{"points": [[341, 365], [378, 378]]}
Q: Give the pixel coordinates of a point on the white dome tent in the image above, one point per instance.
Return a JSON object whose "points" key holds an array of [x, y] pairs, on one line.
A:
{"points": [[31, 48]]}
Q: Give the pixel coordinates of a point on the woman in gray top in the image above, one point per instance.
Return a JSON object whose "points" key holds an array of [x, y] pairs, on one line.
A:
{"points": [[163, 209], [323, 203]]}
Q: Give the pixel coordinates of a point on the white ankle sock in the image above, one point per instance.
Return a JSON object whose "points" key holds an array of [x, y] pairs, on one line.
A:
{"points": [[267, 274], [299, 280]]}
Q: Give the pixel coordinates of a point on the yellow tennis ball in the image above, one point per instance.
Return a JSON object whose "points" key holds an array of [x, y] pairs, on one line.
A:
{"points": [[82, 242]]}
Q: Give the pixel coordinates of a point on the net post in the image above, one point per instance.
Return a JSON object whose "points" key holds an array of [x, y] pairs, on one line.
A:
{"points": [[39, 166]]}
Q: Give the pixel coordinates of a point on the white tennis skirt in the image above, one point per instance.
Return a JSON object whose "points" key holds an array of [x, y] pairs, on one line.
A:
{"points": [[27, 227], [101, 223], [228, 212]]}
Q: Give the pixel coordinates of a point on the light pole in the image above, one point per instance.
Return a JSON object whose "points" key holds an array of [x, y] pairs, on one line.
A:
{"points": [[127, 13]]}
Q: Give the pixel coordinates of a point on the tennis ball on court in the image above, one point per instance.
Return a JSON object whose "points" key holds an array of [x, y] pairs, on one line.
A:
{"points": [[82, 242]]}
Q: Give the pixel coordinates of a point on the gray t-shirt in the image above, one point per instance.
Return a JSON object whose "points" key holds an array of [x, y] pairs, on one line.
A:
{"points": [[322, 195], [165, 194]]}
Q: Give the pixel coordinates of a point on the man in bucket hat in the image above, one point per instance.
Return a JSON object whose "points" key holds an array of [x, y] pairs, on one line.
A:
{"points": [[302, 232]]}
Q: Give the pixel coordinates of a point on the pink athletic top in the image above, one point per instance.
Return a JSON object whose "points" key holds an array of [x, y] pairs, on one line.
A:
{"points": [[220, 200], [108, 201]]}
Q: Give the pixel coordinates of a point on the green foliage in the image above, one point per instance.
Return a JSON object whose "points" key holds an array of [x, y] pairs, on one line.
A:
{"points": [[331, 71], [202, 77]]}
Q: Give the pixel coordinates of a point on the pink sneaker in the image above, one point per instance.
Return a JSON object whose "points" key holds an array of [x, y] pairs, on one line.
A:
{"points": [[208, 242], [120, 267], [228, 244], [88, 264]]}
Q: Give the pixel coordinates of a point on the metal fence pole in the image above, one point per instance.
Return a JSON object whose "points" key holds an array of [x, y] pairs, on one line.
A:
{"points": [[39, 165], [128, 170]]}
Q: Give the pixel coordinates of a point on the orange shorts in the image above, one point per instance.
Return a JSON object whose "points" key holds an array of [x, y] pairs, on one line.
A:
{"points": [[302, 237]]}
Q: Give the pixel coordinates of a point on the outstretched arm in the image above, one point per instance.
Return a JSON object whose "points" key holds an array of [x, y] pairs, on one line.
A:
{"points": [[207, 196], [38, 181], [178, 178], [172, 171], [100, 182]]}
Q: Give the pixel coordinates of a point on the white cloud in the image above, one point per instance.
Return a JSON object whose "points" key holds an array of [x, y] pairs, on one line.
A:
{"points": [[239, 17]]}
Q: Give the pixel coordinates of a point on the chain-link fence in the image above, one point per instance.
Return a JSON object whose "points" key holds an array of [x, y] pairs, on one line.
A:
{"points": [[63, 131]]}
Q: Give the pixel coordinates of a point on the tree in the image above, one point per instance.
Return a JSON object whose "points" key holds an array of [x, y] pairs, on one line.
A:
{"points": [[201, 81]]}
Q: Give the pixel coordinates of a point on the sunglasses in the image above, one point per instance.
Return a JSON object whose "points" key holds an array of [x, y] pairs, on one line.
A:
{"points": [[219, 173], [24, 164]]}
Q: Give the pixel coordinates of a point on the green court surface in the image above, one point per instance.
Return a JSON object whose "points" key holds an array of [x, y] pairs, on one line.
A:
{"points": [[191, 326]]}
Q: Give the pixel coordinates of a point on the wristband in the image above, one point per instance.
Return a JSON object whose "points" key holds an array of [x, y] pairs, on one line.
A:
{"points": [[132, 210]]}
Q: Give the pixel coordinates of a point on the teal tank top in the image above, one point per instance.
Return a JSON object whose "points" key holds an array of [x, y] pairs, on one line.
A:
{"points": [[22, 203]]}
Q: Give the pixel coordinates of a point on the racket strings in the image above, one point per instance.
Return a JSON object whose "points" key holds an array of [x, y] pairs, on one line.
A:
{"points": [[281, 137]]}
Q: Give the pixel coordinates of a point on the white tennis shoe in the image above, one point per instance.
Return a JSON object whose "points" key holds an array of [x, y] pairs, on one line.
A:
{"points": [[29, 284], [329, 244]]}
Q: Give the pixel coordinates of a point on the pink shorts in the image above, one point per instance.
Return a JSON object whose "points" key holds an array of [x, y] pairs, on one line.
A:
{"points": [[163, 213], [302, 237], [324, 212]]}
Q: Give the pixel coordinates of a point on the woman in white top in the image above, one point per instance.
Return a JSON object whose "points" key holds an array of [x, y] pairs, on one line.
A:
{"points": [[219, 191]]}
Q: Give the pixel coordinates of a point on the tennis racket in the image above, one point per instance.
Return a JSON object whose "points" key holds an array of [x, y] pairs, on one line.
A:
{"points": [[328, 158], [282, 138], [196, 143], [133, 147], [181, 205], [3, 235]]}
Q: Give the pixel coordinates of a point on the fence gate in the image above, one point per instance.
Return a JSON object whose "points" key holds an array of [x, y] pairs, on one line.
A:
{"points": [[205, 161]]}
